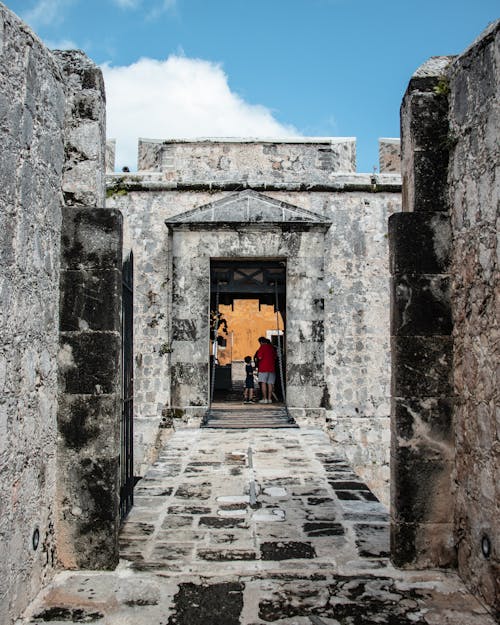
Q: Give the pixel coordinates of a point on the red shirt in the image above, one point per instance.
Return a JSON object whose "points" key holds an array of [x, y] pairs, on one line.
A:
{"points": [[266, 356]]}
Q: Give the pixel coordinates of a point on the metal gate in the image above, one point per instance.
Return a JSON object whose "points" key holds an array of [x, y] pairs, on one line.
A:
{"points": [[127, 433]]}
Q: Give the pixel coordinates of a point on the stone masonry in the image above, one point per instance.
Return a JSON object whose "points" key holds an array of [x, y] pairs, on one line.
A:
{"points": [[52, 137], [250, 527], [338, 371], [445, 502], [258, 526], [32, 119]]}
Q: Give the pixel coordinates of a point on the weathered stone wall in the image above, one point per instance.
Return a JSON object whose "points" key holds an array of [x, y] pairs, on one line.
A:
{"points": [[353, 289], [32, 102], [421, 444], [52, 137], [389, 151], [88, 444], [305, 160], [474, 81], [445, 320]]}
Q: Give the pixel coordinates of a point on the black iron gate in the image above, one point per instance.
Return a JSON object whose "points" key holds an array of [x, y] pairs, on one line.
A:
{"points": [[127, 433]]}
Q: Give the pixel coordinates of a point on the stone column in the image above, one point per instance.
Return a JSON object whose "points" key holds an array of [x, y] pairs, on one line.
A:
{"points": [[421, 448], [88, 452]]}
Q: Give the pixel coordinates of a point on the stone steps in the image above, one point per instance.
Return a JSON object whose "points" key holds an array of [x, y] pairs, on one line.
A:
{"points": [[248, 417]]}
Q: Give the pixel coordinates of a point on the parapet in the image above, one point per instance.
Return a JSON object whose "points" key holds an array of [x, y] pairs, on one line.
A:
{"points": [[299, 163], [389, 156], [301, 159]]}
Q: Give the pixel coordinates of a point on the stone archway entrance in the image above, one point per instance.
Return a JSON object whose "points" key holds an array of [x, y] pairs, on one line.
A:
{"points": [[246, 226]]}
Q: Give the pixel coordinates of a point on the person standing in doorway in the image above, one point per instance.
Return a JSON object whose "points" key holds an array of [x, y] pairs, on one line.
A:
{"points": [[249, 384], [266, 357]]}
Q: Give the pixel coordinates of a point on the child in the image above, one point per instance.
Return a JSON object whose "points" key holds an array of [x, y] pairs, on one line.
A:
{"points": [[248, 392]]}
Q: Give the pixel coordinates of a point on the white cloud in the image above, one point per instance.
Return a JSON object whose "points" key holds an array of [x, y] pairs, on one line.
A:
{"points": [[46, 12], [178, 98]]}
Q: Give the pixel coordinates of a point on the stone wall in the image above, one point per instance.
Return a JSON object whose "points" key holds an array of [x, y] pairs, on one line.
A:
{"points": [[88, 443], [389, 151], [445, 320], [52, 137], [474, 127], [309, 160], [422, 447], [32, 106], [353, 289]]}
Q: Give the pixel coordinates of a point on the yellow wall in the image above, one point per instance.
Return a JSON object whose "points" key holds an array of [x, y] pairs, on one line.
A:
{"points": [[247, 323]]}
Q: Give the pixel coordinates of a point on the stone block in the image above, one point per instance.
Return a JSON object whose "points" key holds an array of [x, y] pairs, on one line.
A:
{"points": [[389, 151], [421, 483], [423, 420], [422, 546], [87, 493], [89, 423], [91, 238], [90, 300], [302, 374], [89, 362], [422, 366], [430, 177], [428, 112], [419, 243], [420, 305]]}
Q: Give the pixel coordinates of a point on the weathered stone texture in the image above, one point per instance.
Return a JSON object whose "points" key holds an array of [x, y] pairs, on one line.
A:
{"points": [[447, 479], [110, 155], [339, 359], [474, 80], [389, 151], [31, 161], [45, 117], [206, 161], [87, 494], [421, 343], [84, 140], [424, 138]]}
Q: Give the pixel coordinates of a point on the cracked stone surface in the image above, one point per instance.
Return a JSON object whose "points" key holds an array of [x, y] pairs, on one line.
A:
{"points": [[296, 538]]}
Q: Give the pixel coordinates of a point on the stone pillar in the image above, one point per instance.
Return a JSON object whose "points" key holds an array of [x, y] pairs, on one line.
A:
{"points": [[84, 168], [421, 448], [90, 389]]}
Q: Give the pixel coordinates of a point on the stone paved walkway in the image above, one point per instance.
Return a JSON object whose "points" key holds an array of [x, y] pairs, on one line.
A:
{"points": [[249, 527]]}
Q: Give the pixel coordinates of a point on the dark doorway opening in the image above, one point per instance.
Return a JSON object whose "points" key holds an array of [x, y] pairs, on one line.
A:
{"points": [[247, 300], [127, 433]]}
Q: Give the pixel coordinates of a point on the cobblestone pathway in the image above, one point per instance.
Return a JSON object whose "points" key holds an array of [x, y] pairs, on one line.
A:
{"points": [[250, 527]]}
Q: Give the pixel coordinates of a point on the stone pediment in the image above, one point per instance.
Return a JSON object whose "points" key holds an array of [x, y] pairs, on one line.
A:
{"points": [[248, 207]]}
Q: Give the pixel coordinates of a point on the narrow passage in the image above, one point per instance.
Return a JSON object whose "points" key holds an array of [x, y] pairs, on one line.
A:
{"points": [[248, 527]]}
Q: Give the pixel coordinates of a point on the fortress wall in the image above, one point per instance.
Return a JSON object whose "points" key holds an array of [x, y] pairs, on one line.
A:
{"points": [[52, 137], [309, 160], [354, 294], [32, 118], [445, 314], [474, 199]]}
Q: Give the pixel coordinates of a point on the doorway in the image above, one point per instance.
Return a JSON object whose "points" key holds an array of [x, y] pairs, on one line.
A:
{"points": [[247, 301]]}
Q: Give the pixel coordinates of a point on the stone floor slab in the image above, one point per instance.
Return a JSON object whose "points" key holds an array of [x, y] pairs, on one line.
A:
{"points": [[293, 538]]}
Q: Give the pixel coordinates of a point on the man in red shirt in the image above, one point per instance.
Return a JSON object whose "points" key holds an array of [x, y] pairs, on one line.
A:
{"points": [[266, 359]]}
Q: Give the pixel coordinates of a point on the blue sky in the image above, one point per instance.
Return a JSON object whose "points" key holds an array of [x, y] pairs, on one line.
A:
{"points": [[261, 67]]}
